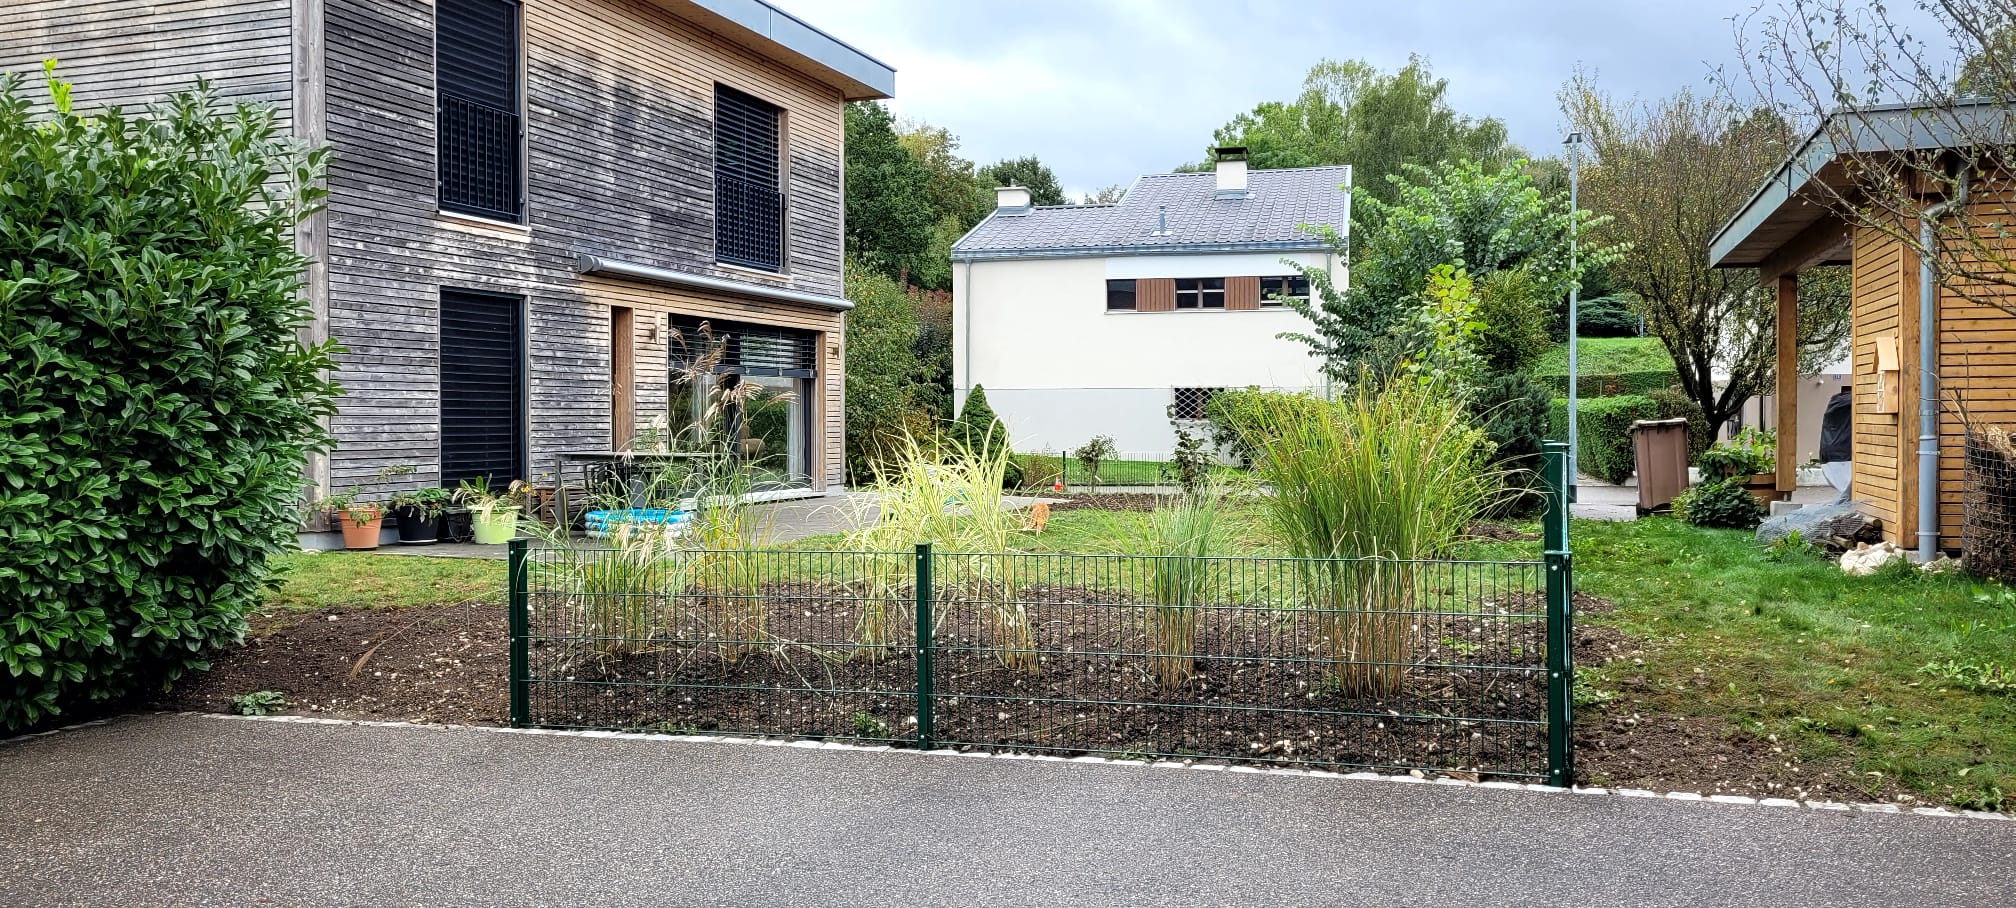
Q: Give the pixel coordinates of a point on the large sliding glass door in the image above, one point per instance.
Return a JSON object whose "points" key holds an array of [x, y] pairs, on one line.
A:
{"points": [[746, 390]]}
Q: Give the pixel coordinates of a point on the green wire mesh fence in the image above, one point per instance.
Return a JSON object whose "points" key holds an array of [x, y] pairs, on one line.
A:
{"points": [[1442, 665]]}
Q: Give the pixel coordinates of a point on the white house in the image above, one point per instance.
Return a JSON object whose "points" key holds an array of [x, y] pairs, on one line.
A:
{"points": [[1084, 320]]}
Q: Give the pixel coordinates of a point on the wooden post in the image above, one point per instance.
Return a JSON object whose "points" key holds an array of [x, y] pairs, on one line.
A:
{"points": [[1788, 382]]}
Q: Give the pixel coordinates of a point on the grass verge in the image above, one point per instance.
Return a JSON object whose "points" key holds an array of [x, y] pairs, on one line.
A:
{"points": [[320, 580]]}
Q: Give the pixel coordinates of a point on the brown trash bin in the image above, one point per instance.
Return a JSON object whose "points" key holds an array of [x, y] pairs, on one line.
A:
{"points": [[1660, 449]]}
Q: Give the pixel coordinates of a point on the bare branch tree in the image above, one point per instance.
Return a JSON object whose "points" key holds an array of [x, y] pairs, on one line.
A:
{"points": [[1666, 174]]}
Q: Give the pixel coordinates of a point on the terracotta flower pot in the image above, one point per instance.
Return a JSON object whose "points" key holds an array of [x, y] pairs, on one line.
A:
{"points": [[362, 535]]}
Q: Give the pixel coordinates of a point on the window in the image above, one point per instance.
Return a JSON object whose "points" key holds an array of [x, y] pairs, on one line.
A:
{"points": [[748, 388], [476, 116], [748, 205], [1200, 293], [482, 387], [1119, 296], [1189, 403], [1293, 286]]}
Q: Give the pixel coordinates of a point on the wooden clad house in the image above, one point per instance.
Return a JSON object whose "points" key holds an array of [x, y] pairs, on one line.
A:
{"points": [[1796, 221], [530, 201]]}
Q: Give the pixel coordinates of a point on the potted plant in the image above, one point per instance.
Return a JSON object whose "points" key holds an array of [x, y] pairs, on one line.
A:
{"points": [[419, 515], [1750, 458], [494, 514], [360, 517]]}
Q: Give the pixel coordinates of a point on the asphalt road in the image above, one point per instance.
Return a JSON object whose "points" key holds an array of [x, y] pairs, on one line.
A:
{"points": [[186, 810]]}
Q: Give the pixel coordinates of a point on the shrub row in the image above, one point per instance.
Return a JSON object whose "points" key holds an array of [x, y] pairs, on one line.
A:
{"points": [[1604, 424], [1612, 384]]}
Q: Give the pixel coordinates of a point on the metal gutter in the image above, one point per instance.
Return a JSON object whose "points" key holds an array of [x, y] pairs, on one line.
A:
{"points": [[588, 264], [1158, 249]]}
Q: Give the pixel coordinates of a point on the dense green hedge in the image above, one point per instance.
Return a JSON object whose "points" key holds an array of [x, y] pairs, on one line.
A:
{"points": [[155, 404], [1604, 424], [1612, 384]]}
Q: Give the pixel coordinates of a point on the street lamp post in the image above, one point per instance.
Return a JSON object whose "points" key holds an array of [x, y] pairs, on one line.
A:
{"points": [[1574, 143]]}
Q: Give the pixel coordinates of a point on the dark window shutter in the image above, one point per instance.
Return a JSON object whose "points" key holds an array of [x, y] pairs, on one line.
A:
{"points": [[482, 387], [476, 76], [748, 204]]}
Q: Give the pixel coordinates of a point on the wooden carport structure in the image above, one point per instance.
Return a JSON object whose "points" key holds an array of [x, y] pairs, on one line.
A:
{"points": [[1807, 214]]}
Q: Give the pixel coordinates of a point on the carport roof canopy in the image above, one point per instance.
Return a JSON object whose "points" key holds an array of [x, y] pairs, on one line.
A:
{"points": [[1788, 225]]}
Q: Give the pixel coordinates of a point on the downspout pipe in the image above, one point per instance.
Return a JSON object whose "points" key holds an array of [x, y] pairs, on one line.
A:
{"points": [[1928, 372]]}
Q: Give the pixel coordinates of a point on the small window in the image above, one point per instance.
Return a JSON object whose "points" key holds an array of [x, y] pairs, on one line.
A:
{"points": [[1200, 293], [1274, 289], [1119, 296], [1189, 403]]}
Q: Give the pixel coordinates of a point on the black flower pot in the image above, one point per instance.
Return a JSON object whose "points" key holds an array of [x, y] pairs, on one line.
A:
{"points": [[415, 526], [455, 525]]}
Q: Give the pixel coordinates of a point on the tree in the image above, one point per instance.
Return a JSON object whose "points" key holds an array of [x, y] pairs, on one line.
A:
{"points": [[1666, 175], [888, 207], [1028, 172], [954, 193], [1350, 113], [976, 428], [881, 366], [156, 405], [1106, 196], [1481, 222]]}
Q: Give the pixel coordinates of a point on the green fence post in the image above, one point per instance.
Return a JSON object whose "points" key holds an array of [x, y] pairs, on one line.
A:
{"points": [[1560, 567], [520, 621], [924, 647]]}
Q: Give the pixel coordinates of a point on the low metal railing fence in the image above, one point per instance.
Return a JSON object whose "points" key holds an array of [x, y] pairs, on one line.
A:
{"points": [[1439, 665]]}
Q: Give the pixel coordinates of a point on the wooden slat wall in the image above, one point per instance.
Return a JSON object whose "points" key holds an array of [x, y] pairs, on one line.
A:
{"points": [[1977, 360], [130, 52], [1242, 293], [619, 165], [1878, 290], [1155, 294]]}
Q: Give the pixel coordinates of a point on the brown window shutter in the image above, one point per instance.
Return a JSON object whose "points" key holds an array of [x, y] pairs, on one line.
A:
{"points": [[1242, 293], [1155, 294]]}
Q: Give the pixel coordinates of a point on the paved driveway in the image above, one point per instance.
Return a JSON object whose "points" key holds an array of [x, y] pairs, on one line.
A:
{"points": [[187, 810]]}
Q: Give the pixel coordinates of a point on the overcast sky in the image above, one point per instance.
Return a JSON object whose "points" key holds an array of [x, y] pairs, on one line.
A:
{"points": [[1105, 90]]}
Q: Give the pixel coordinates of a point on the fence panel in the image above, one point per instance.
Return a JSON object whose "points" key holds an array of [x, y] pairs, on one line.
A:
{"points": [[656, 638], [1373, 664], [1377, 664]]}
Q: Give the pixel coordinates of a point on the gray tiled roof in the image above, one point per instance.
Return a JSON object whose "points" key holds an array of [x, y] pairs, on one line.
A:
{"points": [[1271, 216]]}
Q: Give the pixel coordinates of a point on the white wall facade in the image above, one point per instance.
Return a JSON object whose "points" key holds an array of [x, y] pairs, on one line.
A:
{"points": [[1059, 368]]}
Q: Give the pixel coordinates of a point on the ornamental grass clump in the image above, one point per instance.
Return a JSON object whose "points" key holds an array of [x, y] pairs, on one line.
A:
{"points": [[156, 403], [1365, 488], [1175, 544], [729, 538], [952, 499]]}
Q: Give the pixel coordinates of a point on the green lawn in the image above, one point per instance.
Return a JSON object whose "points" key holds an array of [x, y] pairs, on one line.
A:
{"points": [[1795, 652], [353, 579], [1607, 356]]}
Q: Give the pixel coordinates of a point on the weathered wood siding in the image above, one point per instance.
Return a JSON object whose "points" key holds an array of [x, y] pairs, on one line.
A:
{"points": [[130, 52], [619, 164]]}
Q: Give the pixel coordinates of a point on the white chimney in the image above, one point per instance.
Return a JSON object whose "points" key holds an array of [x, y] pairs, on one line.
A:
{"points": [[1012, 199], [1232, 172]]}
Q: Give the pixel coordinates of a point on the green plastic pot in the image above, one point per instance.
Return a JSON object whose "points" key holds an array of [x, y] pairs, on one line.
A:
{"points": [[496, 527]]}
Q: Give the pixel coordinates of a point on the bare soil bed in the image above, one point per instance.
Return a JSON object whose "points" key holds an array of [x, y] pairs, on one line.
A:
{"points": [[448, 664]]}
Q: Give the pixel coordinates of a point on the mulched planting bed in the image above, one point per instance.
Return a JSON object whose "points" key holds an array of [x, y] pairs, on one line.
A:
{"points": [[1262, 690], [1112, 501]]}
